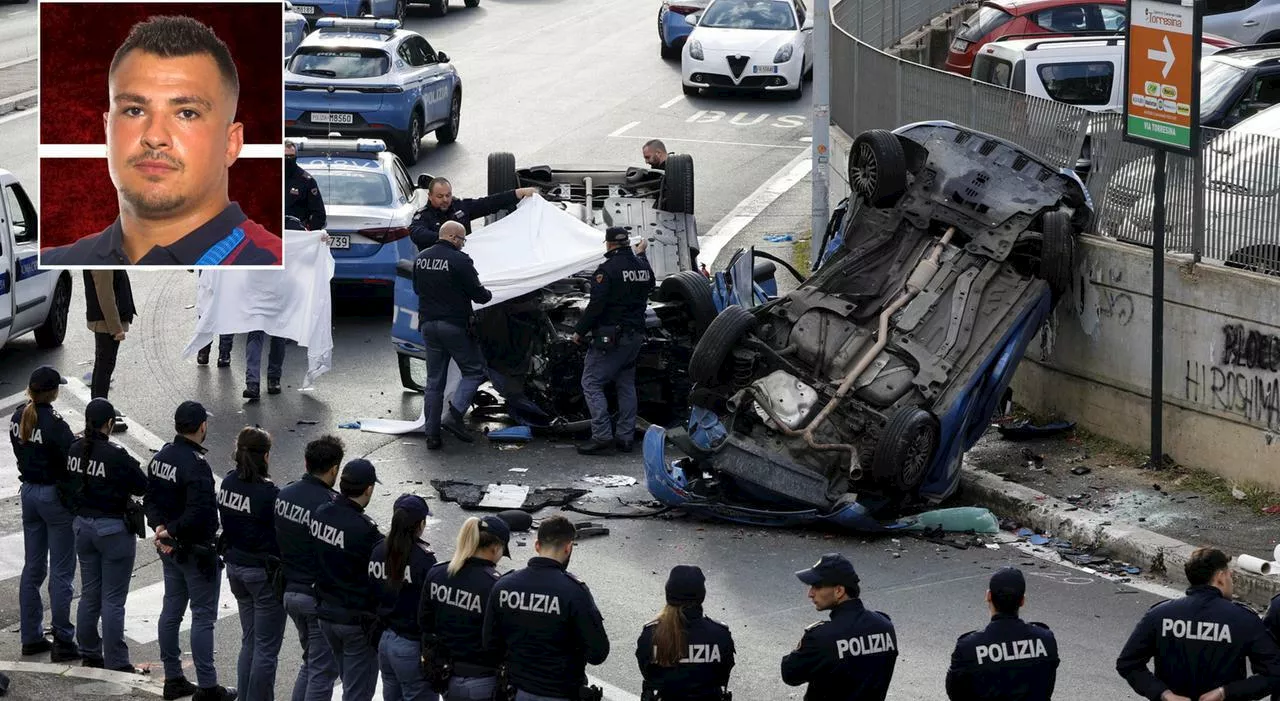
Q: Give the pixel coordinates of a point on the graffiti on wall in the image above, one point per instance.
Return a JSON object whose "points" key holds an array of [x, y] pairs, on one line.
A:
{"points": [[1243, 380]]}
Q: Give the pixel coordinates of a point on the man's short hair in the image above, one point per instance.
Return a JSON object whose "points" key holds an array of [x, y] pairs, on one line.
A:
{"points": [[1203, 564], [656, 145], [176, 37], [556, 532], [449, 226], [323, 454], [431, 185]]}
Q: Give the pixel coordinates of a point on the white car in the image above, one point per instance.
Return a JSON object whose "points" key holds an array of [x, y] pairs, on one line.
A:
{"points": [[31, 299], [757, 45]]}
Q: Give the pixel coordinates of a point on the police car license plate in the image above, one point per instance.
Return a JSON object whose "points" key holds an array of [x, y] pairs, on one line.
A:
{"points": [[304, 9], [764, 69], [343, 242], [331, 118]]}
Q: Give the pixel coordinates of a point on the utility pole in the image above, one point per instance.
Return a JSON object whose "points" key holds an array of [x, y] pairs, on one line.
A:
{"points": [[821, 120]]}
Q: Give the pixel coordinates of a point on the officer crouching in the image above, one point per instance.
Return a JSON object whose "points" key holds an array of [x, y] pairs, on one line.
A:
{"points": [[614, 319], [1009, 660]]}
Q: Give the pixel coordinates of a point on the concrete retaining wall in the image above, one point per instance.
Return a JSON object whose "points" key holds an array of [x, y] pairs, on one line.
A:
{"points": [[928, 45]]}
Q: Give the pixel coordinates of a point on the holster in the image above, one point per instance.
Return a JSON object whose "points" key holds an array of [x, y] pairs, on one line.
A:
{"points": [[605, 337], [437, 667], [503, 691], [373, 629], [275, 575], [135, 518]]}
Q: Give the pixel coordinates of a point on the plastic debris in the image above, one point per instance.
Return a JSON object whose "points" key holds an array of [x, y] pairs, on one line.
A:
{"points": [[350, 424], [960, 519], [610, 480], [510, 446], [779, 238], [516, 434], [309, 422], [1023, 429], [1238, 494], [518, 469], [1025, 533], [1038, 540], [1080, 471], [1033, 459], [1273, 509]]}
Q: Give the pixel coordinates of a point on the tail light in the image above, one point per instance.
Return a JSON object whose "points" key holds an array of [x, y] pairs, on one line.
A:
{"points": [[380, 89], [683, 9], [385, 234]]}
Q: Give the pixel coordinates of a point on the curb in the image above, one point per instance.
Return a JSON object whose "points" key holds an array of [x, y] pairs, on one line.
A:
{"points": [[135, 682], [1156, 554], [21, 101]]}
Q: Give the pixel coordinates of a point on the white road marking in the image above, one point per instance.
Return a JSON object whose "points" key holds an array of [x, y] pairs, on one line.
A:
{"points": [[142, 609], [19, 114], [712, 142], [100, 151], [611, 692], [1134, 582], [149, 440], [671, 102], [12, 556], [751, 207], [621, 130]]}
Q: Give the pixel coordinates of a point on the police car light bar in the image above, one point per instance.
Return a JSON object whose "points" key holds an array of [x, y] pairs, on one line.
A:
{"points": [[331, 145], [382, 25]]}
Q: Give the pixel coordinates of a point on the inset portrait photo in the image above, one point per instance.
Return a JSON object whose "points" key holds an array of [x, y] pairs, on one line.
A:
{"points": [[161, 134]]}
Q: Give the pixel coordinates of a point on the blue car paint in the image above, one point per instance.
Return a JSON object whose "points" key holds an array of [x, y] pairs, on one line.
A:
{"points": [[675, 30], [351, 8], [405, 335], [295, 30], [371, 261]]}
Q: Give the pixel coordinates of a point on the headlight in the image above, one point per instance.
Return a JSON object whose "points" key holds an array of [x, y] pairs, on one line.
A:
{"points": [[695, 50], [783, 55]]}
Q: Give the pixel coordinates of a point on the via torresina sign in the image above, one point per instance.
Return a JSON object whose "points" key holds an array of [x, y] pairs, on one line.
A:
{"points": [[1162, 74]]}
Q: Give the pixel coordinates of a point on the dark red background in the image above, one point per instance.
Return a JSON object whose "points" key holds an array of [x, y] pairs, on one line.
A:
{"points": [[80, 40], [78, 199]]}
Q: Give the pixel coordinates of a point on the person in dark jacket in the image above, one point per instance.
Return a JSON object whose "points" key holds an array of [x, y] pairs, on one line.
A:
{"points": [[105, 479], [399, 567], [109, 310], [182, 508], [542, 621], [442, 207], [615, 321], [40, 440], [1201, 641], [1009, 660], [446, 282], [345, 538], [302, 198], [453, 607], [850, 657], [685, 655], [247, 506]]}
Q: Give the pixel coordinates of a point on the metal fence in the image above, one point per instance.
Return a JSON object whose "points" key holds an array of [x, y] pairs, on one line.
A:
{"points": [[874, 90]]}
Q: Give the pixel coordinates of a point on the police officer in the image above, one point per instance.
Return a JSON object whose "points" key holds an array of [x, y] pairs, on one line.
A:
{"points": [[614, 318], [699, 669], [447, 283], [543, 623], [1009, 660], [183, 509], [295, 506], [399, 566], [1201, 641], [441, 207], [345, 538], [453, 607], [104, 477], [40, 441], [302, 197], [850, 656], [247, 505]]}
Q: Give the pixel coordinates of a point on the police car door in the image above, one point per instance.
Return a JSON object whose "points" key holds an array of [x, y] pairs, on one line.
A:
{"points": [[31, 286], [6, 275], [435, 87]]}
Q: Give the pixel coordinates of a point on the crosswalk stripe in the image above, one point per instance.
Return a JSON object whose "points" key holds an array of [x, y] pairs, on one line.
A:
{"points": [[142, 610], [12, 556]]}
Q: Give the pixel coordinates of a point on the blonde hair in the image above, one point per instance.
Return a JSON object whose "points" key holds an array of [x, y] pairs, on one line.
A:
{"points": [[27, 425], [470, 540], [669, 638]]}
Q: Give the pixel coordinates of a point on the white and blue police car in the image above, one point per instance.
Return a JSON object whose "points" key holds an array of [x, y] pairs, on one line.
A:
{"points": [[295, 29], [371, 78], [369, 202]]}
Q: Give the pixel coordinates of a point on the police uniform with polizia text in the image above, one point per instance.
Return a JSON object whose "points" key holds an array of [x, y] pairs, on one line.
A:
{"points": [[424, 230], [400, 649], [302, 198], [1010, 659], [702, 673]]}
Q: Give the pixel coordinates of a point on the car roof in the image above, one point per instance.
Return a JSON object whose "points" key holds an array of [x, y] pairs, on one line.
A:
{"points": [[350, 37], [1017, 8], [1249, 55], [348, 161], [1266, 123]]}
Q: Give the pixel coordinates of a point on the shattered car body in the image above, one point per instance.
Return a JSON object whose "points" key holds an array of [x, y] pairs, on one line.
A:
{"points": [[857, 394]]}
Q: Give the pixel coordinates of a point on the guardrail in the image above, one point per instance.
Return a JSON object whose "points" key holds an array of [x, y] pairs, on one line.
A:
{"points": [[874, 90]]}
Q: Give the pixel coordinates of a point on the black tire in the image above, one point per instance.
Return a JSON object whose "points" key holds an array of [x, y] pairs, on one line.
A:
{"points": [[439, 8], [406, 373], [906, 449], [677, 184], [713, 349], [502, 178], [692, 290], [1058, 253], [667, 52], [53, 331], [448, 133], [402, 10], [878, 167], [473, 3], [411, 146]]}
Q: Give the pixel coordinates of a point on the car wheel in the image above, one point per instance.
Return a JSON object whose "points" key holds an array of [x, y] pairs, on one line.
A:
{"points": [[878, 167], [713, 349], [689, 90], [407, 378], [1057, 253], [54, 329], [677, 184], [412, 146], [502, 178], [693, 291], [440, 8], [906, 449], [667, 52], [448, 133], [402, 10]]}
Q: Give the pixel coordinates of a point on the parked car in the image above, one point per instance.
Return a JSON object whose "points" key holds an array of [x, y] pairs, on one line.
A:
{"points": [[857, 394], [295, 28], [440, 8], [673, 28], [1237, 83], [32, 300], [997, 18], [756, 45], [372, 78], [1246, 21], [315, 10]]}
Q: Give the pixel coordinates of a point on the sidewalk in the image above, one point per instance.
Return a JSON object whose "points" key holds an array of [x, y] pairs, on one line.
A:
{"points": [[36, 680]]}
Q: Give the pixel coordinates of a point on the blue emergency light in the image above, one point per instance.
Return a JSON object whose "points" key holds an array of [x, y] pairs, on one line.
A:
{"points": [[381, 25], [332, 145]]}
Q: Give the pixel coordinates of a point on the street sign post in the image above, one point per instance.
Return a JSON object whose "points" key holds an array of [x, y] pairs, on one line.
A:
{"points": [[1162, 110]]}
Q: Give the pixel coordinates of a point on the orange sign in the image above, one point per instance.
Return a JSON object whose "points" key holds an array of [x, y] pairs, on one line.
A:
{"points": [[1162, 74]]}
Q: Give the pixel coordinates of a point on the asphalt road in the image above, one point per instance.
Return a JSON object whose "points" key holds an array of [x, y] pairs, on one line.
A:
{"points": [[18, 31], [18, 149], [562, 82]]}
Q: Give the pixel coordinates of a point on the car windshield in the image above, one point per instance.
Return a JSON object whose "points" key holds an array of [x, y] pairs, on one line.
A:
{"points": [[328, 62], [749, 14], [986, 20], [339, 186], [1217, 80]]}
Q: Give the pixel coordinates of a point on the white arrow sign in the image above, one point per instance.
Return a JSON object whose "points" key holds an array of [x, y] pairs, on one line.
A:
{"points": [[1165, 57]]}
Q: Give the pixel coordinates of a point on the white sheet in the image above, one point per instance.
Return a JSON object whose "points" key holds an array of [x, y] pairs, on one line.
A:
{"points": [[293, 303]]}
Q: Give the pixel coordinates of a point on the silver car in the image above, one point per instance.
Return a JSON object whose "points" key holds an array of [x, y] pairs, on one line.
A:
{"points": [[1246, 21]]}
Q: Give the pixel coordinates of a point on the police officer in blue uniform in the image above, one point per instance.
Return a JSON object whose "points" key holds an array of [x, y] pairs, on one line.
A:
{"points": [[345, 538], [699, 669], [442, 207], [542, 622], [1009, 660], [105, 479], [1201, 641], [446, 282], [399, 566], [40, 440], [247, 505], [182, 508], [614, 319], [851, 656], [302, 198], [453, 606], [295, 506]]}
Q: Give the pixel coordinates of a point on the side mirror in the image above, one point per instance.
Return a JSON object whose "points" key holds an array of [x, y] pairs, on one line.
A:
{"points": [[423, 180], [692, 20], [288, 6], [442, 57]]}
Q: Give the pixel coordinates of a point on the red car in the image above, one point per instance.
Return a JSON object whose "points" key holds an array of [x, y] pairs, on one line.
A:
{"points": [[997, 18]]}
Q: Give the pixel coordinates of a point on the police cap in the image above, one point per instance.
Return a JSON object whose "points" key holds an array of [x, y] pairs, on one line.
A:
{"points": [[1008, 581], [617, 234], [830, 570], [190, 413], [686, 585], [360, 472], [99, 412], [45, 378], [415, 505], [498, 527]]}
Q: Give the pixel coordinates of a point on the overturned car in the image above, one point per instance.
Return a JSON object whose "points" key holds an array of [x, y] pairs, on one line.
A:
{"points": [[856, 395]]}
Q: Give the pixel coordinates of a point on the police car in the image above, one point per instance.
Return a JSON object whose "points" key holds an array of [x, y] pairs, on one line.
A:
{"points": [[295, 28], [315, 10], [369, 201], [370, 78], [31, 300]]}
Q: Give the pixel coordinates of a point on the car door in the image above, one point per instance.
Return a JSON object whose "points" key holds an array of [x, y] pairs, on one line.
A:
{"points": [[1263, 91], [805, 22], [412, 74], [31, 286], [436, 88], [6, 277]]}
